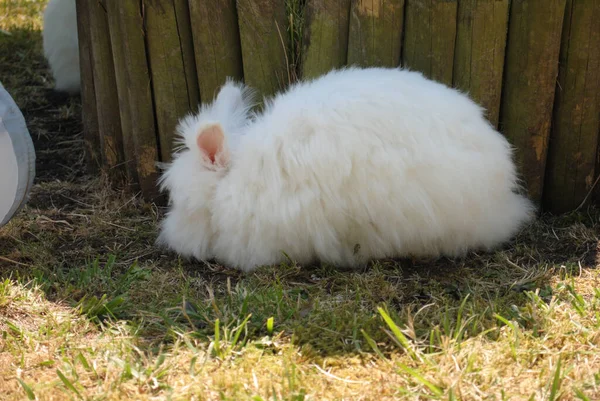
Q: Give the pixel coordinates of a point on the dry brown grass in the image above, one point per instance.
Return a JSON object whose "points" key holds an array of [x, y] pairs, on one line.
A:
{"points": [[91, 309]]}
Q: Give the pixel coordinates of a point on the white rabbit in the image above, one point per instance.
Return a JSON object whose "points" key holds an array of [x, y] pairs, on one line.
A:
{"points": [[61, 46], [359, 164]]}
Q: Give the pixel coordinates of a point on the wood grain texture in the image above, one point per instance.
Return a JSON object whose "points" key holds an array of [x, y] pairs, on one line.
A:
{"points": [[172, 66], [576, 124], [480, 50], [531, 69], [376, 28], [429, 38], [325, 44], [117, 40], [91, 134], [263, 27], [133, 81], [216, 44], [107, 99]]}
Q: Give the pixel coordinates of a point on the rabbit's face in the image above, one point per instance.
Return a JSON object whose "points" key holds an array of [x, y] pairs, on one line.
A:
{"points": [[191, 180], [209, 134], [201, 159], [204, 139]]}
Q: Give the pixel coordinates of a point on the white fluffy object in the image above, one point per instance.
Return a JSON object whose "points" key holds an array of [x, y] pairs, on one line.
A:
{"points": [[61, 47], [357, 165]]}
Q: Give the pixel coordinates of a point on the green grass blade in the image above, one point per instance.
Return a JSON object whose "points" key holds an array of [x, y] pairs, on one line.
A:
{"points": [[270, 325], [17, 331], [67, 382], [503, 320], [159, 361], [84, 362], [239, 330], [217, 340], [451, 396], [397, 332], [373, 345], [112, 305], [515, 330], [459, 317], [27, 389], [193, 366], [579, 394], [555, 382], [418, 377]]}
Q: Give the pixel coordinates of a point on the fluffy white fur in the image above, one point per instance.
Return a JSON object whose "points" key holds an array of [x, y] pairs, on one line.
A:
{"points": [[356, 165], [61, 46]]}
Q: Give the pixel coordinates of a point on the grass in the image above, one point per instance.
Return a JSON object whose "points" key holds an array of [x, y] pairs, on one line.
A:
{"points": [[91, 309]]}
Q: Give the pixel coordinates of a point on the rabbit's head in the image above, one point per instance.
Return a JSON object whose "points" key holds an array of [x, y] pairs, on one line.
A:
{"points": [[209, 134], [201, 158]]}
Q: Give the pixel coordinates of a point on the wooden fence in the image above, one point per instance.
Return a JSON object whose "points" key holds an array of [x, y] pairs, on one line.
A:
{"points": [[533, 64]]}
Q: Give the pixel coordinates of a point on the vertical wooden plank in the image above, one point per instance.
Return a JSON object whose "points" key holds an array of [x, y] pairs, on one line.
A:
{"points": [[480, 49], [134, 85], [117, 43], [172, 66], [325, 44], [376, 28], [574, 137], [184, 29], [531, 69], [264, 40], [91, 134], [107, 100], [217, 44], [430, 36], [596, 185]]}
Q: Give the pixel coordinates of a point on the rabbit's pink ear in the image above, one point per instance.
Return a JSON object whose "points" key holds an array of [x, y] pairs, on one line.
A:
{"points": [[211, 141]]}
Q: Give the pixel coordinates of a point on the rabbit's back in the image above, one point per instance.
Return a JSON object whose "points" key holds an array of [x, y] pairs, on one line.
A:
{"points": [[365, 164], [61, 46]]}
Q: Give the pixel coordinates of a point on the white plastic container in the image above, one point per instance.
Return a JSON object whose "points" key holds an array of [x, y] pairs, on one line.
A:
{"points": [[17, 158]]}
